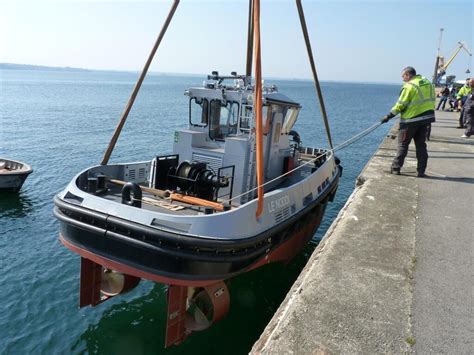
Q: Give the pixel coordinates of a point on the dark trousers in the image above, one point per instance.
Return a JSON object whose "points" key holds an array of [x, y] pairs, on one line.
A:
{"points": [[404, 138], [461, 115], [442, 101], [469, 116], [461, 118], [469, 127]]}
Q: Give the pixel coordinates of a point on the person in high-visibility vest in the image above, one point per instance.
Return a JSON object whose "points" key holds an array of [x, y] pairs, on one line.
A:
{"points": [[462, 95], [416, 106], [469, 112]]}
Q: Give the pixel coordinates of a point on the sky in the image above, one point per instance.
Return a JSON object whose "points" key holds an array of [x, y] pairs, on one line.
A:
{"points": [[358, 41]]}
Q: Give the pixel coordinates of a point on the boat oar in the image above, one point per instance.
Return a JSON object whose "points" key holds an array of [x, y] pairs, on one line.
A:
{"points": [[175, 196], [196, 201]]}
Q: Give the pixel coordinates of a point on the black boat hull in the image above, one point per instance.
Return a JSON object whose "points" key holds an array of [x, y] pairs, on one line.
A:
{"points": [[12, 182], [178, 259]]}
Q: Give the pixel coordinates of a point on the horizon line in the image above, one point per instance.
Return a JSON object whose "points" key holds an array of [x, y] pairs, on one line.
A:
{"points": [[68, 68]]}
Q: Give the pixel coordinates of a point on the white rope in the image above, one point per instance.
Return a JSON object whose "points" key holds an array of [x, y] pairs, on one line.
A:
{"points": [[358, 136], [339, 147]]}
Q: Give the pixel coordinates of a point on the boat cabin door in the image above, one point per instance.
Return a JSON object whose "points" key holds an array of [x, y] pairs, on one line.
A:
{"points": [[274, 159]]}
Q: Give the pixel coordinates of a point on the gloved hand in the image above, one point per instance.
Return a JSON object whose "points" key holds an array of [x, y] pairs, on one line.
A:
{"points": [[385, 119]]}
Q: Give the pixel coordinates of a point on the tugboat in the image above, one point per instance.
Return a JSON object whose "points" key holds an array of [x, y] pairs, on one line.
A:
{"points": [[237, 191], [13, 174]]}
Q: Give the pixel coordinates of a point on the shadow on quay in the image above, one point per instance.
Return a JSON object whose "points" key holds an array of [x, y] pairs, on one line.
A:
{"points": [[462, 141]]}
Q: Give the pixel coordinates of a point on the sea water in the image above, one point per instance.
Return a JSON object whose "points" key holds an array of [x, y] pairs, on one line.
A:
{"points": [[60, 123]]}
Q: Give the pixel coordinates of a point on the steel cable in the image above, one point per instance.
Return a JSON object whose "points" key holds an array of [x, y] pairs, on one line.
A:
{"points": [[339, 147]]}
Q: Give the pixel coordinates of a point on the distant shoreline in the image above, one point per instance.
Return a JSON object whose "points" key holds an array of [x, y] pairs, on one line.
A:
{"points": [[13, 66]]}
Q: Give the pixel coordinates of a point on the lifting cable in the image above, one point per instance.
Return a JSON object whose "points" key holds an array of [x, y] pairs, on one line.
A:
{"points": [[255, 28], [248, 70], [313, 69], [128, 107]]}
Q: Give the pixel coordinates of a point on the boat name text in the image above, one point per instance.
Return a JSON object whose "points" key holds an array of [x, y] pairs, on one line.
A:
{"points": [[278, 204]]}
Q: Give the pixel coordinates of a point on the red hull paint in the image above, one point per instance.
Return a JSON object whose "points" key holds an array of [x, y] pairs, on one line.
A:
{"points": [[125, 269], [283, 253], [176, 316], [90, 283], [292, 247]]}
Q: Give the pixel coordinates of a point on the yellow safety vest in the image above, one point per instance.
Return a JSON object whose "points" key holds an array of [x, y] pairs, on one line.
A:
{"points": [[416, 102], [465, 91]]}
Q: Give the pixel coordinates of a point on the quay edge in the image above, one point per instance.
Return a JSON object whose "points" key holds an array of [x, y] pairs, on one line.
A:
{"points": [[357, 292]]}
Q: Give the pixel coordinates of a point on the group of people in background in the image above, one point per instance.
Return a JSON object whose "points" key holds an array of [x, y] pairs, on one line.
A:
{"points": [[448, 96], [460, 100]]}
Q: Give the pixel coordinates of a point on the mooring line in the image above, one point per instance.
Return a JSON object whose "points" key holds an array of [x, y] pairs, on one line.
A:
{"points": [[358, 136], [339, 147]]}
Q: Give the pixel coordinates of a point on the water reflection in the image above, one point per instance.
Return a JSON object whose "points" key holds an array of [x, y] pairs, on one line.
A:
{"points": [[133, 327], [15, 205], [138, 326]]}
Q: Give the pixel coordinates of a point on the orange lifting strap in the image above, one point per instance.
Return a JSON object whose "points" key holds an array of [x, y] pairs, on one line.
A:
{"points": [[258, 106]]}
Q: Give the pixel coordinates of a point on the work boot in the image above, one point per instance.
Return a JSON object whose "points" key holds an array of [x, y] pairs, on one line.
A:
{"points": [[395, 171]]}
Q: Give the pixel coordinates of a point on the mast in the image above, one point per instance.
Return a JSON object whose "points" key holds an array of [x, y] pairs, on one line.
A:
{"points": [[130, 102]]}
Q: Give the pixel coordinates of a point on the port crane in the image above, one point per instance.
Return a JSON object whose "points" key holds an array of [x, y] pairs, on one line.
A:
{"points": [[441, 66]]}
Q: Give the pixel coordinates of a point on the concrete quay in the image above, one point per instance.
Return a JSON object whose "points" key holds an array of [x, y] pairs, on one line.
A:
{"points": [[394, 271]]}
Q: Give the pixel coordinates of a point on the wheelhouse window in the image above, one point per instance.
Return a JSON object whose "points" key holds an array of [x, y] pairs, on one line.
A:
{"points": [[223, 119], [290, 119], [198, 111]]}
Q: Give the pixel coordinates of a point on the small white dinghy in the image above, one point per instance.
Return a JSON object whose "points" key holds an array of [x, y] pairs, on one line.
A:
{"points": [[13, 174]]}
